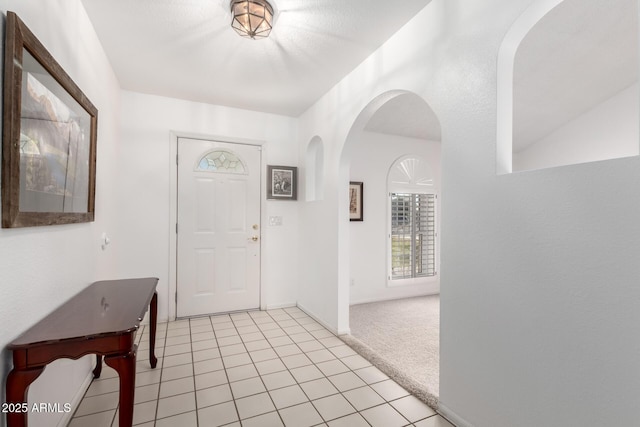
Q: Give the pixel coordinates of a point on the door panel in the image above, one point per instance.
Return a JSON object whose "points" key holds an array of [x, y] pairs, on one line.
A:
{"points": [[205, 205], [218, 227], [205, 260]]}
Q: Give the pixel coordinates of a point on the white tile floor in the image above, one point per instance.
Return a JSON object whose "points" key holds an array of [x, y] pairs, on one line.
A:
{"points": [[254, 369]]}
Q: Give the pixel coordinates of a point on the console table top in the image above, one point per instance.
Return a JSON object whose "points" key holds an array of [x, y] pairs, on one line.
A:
{"points": [[105, 307]]}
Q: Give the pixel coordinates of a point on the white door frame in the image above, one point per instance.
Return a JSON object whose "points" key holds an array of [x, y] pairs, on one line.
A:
{"points": [[173, 208]]}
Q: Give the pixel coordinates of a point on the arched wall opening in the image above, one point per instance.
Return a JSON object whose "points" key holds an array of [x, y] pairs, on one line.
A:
{"points": [[393, 149], [374, 142], [567, 85]]}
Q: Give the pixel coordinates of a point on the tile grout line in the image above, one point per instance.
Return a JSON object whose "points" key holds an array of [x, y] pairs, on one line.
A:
{"points": [[340, 392], [193, 370], [297, 383], [256, 322], [261, 332], [161, 368], [325, 376], [233, 399], [309, 400], [287, 369], [260, 376]]}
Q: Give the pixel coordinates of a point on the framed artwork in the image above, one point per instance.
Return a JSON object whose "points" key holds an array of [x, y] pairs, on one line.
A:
{"points": [[355, 201], [282, 182], [48, 138]]}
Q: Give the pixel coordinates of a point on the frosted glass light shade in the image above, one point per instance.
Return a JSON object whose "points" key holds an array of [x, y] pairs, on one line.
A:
{"points": [[252, 18]]}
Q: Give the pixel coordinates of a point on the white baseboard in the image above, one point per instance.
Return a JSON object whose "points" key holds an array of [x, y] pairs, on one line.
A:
{"points": [[344, 331], [317, 319], [67, 416], [380, 299], [454, 418], [277, 306]]}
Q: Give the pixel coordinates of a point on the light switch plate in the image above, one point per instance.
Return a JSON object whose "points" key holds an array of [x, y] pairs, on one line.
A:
{"points": [[275, 221]]}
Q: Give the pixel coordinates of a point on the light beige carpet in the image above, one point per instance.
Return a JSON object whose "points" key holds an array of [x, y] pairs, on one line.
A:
{"points": [[402, 339]]}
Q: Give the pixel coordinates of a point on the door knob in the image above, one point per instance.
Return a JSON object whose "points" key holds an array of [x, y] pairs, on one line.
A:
{"points": [[254, 238]]}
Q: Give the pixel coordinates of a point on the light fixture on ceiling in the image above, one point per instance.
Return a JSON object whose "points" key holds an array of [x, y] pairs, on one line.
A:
{"points": [[252, 18]]}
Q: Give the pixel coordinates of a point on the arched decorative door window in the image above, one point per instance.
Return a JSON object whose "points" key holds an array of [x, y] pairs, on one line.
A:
{"points": [[221, 161]]}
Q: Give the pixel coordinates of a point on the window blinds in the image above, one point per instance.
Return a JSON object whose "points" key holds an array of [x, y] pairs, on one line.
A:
{"points": [[413, 235]]}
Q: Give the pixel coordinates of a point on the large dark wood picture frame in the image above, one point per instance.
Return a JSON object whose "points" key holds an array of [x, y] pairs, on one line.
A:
{"points": [[48, 139]]}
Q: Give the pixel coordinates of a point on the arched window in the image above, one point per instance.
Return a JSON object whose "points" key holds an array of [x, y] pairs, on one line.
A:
{"points": [[410, 173], [412, 225], [221, 161]]}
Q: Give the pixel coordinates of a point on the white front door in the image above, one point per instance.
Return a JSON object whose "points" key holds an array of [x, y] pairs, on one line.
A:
{"points": [[218, 227]]}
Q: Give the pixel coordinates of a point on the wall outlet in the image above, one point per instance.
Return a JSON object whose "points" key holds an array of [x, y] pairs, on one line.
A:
{"points": [[104, 241]]}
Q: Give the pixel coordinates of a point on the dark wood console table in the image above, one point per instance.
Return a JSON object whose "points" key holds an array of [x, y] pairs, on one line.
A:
{"points": [[102, 319]]}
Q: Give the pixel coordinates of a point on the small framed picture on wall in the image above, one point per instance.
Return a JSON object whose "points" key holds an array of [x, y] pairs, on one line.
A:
{"points": [[355, 201], [282, 183]]}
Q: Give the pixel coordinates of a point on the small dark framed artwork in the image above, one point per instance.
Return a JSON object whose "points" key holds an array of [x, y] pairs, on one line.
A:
{"points": [[48, 138], [282, 183], [355, 201]]}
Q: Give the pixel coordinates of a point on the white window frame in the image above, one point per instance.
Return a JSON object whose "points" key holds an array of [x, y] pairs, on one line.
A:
{"points": [[411, 175], [392, 282]]}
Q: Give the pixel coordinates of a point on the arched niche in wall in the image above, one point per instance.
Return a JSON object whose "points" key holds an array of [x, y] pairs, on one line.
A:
{"points": [[568, 85], [314, 166]]}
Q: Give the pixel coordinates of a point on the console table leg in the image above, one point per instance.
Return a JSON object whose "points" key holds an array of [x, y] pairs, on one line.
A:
{"points": [[18, 383], [98, 369], [152, 326], [126, 368]]}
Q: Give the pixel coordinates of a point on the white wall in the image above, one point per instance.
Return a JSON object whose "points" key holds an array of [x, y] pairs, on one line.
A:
{"points": [[540, 306], [540, 303], [145, 165], [44, 266], [368, 239], [607, 131]]}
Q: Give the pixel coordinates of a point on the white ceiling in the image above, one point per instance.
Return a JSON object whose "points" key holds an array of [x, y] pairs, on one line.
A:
{"points": [[186, 48], [581, 54]]}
